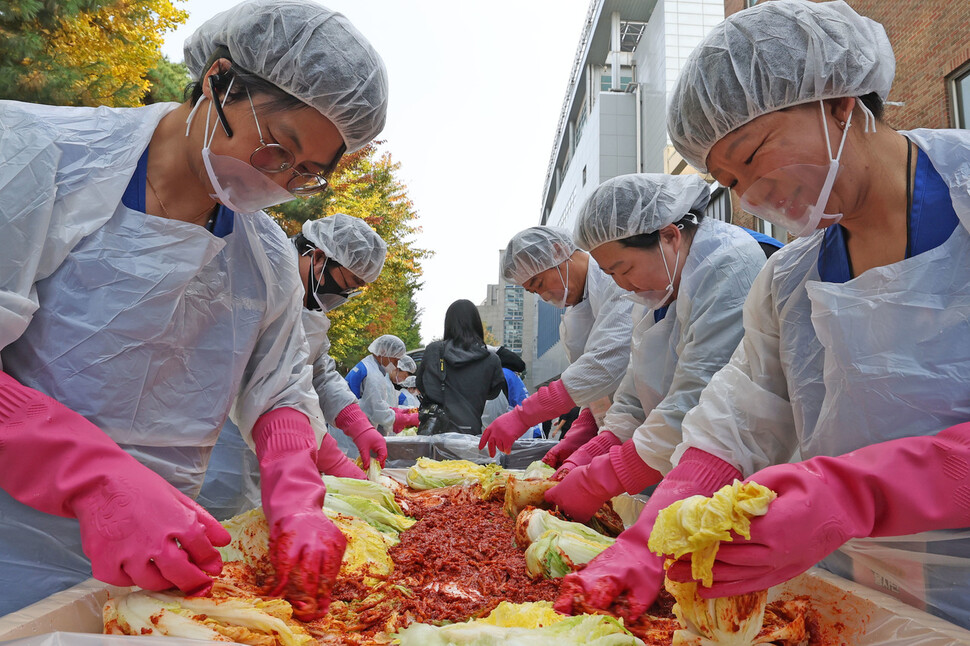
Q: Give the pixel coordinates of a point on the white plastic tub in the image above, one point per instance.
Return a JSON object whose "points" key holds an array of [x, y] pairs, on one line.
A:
{"points": [[848, 613]]}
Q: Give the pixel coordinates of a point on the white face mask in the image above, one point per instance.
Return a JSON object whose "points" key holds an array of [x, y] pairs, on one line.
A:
{"points": [[782, 196], [554, 299], [238, 185], [657, 298]]}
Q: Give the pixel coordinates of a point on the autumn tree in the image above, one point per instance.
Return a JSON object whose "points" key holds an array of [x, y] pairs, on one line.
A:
{"points": [[364, 185], [167, 82], [82, 52]]}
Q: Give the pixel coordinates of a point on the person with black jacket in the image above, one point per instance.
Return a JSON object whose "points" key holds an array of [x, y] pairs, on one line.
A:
{"points": [[458, 375]]}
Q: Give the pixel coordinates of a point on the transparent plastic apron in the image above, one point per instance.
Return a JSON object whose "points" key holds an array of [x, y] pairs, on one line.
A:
{"points": [[376, 393], [896, 364], [574, 330], [145, 329], [653, 359], [577, 322]]}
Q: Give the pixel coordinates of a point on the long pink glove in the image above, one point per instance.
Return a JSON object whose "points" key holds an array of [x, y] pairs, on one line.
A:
{"points": [[305, 546], [587, 488], [580, 431], [352, 421], [333, 462], [546, 403], [404, 419], [136, 528], [895, 488], [599, 445], [628, 567]]}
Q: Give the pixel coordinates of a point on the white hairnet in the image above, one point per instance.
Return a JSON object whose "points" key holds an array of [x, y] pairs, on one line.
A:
{"points": [[387, 345], [349, 241], [629, 205], [534, 250], [410, 382], [407, 364], [307, 50], [773, 56]]}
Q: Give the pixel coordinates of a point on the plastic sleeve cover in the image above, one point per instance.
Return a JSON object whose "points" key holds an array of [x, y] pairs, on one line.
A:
{"points": [[599, 371], [744, 415]]}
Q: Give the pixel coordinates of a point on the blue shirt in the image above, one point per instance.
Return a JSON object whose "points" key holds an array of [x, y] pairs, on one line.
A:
{"points": [[517, 390], [356, 377], [134, 199], [931, 222]]}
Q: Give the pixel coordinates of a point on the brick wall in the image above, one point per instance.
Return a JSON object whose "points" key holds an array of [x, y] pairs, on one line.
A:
{"points": [[930, 40]]}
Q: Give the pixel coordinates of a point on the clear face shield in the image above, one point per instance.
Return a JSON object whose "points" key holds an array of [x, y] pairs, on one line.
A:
{"points": [[238, 185], [657, 298], [553, 295], [794, 197]]}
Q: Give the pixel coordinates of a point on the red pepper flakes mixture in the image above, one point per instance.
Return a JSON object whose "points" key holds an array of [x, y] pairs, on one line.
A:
{"points": [[456, 563]]}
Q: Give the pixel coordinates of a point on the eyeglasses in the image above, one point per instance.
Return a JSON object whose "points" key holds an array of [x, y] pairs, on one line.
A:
{"points": [[327, 283], [274, 158]]}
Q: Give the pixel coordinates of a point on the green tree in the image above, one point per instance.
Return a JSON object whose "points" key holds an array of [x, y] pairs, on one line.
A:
{"points": [[167, 81], [82, 52], [365, 186]]}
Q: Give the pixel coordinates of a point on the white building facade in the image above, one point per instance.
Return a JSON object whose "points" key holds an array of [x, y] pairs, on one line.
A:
{"points": [[613, 120], [508, 313]]}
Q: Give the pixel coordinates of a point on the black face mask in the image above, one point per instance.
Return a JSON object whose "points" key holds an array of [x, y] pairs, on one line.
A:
{"points": [[309, 302], [329, 286]]}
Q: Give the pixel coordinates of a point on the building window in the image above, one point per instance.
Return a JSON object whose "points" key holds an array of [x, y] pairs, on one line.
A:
{"points": [[960, 96], [750, 3], [581, 122], [512, 335], [584, 176], [606, 82]]}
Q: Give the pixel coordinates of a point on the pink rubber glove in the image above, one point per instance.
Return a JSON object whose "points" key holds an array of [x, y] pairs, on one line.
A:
{"points": [[895, 488], [599, 445], [628, 567], [587, 488], [546, 403], [404, 419], [136, 528], [582, 430], [333, 462], [366, 438], [305, 547]]}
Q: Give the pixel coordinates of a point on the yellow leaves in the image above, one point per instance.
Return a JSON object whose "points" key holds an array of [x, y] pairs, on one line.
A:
{"points": [[696, 525], [113, 48]]}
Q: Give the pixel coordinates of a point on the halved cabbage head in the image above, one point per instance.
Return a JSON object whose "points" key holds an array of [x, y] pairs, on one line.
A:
{"points": [[243, 620], [527, 624], [375, 490], [556, 547], [698, 524], [366, 555], [433, 474]]}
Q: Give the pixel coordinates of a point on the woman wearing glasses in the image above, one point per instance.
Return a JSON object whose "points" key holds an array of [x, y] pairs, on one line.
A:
{"points": [[143, 294]]}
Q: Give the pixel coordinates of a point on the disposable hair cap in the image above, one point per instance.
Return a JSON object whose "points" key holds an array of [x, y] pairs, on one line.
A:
{"points": [[772, 56], [535, 250], [349, 241], [306, 50], [631, 205]]}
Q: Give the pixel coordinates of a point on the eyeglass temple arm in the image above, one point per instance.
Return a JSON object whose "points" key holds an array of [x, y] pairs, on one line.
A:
{"points": [[219, 112]]}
